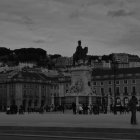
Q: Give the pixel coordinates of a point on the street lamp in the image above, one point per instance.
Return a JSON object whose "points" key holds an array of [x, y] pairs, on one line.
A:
{"points": [[114, 71]]}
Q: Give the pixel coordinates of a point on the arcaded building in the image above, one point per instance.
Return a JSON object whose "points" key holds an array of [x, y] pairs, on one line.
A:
{"points": [[116, 84], [81, 85], [31, 89]]}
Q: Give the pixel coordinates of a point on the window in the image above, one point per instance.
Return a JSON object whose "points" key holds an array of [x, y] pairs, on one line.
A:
{"points": [[94, 90], [35, 103], [94, 83], [109, 82], [102, 91], [118, 90], [133, 81], [88, 83], [102, 83], [24, 93], [125, 89], [97, 77], [110, 91], [117, 82], [133, 89], [125, 81]]}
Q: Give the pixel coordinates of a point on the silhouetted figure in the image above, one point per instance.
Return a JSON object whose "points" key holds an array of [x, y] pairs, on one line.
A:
{"points": [[84, 109], [21, 110], [133, 107], [63, 108], [74, 108], [8, 110], [115, 109]]}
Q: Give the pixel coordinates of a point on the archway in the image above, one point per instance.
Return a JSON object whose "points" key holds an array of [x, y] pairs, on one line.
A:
{"points": [[126, 101], [118, 101]]}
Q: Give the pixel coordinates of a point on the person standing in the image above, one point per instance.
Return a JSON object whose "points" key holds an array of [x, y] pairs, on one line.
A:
{"points": [[63, 108], [133, 108], [74, 108]]}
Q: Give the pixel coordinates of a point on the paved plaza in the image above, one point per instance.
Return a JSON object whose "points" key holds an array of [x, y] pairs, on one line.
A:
{"points": [[58, 119]]}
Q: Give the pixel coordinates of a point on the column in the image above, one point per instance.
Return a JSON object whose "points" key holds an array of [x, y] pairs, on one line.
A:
{"points": [[46, 96], [77, 100], [90, 100], [52, 99], [109, 102], [8, 95], [121, 98], [26, 104], [139, 101], [18, 94], [32, 104], [39, 101]]}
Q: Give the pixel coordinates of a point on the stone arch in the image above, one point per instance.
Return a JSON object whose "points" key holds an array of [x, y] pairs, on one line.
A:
{"points": [[29, 103], [125, 100], [118, 101]]}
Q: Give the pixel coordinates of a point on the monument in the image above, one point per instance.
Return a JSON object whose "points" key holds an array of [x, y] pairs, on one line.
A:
{"points": [[81, 88]]}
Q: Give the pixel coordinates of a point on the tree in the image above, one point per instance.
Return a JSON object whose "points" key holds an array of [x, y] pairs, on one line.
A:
{"points": [[30, 54]]}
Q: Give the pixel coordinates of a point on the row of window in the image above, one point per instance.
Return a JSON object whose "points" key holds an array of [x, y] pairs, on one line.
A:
{"points": [[117, 82], [54, 87], [32, 86], [117, 90], [29, 92], [3, 86]]}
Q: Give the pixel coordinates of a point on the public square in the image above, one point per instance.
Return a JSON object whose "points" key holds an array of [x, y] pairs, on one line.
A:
{"points": [[56, 125], [68, 119]]}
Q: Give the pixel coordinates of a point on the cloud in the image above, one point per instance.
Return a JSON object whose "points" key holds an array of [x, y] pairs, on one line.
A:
{"points": [[119, 13], [56, 25], [27, 20], [39, 41]]}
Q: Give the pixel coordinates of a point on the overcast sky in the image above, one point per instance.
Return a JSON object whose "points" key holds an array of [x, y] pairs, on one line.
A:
{"points": [[105, 26]]}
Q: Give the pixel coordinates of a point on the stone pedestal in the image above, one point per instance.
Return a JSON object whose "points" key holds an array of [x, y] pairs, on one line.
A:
{"points": [[81, 83]]}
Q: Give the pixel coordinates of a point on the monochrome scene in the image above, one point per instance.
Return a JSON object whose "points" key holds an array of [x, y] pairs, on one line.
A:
{"points": [[69, 69]]}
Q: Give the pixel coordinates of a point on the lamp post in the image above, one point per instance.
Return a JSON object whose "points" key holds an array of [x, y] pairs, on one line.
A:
{"points": [[114, 71], [108, 106]]}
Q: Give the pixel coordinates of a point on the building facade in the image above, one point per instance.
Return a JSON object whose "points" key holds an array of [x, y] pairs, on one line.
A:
{"points": [[117, 86], [30, 89], [81, 85]]}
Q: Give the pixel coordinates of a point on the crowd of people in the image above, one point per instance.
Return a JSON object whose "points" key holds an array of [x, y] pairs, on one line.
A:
{"points": [[13, 109], [82, 109]]}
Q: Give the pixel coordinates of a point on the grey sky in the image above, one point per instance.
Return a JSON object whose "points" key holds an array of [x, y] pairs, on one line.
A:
{"points": [[105, 26]]}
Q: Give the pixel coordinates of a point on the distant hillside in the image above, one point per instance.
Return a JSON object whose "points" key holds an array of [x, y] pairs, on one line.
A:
{"points": [[23, 55]]}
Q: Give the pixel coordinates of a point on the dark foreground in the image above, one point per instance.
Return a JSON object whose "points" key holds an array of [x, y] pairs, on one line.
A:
{"points": [[59, 133]]}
